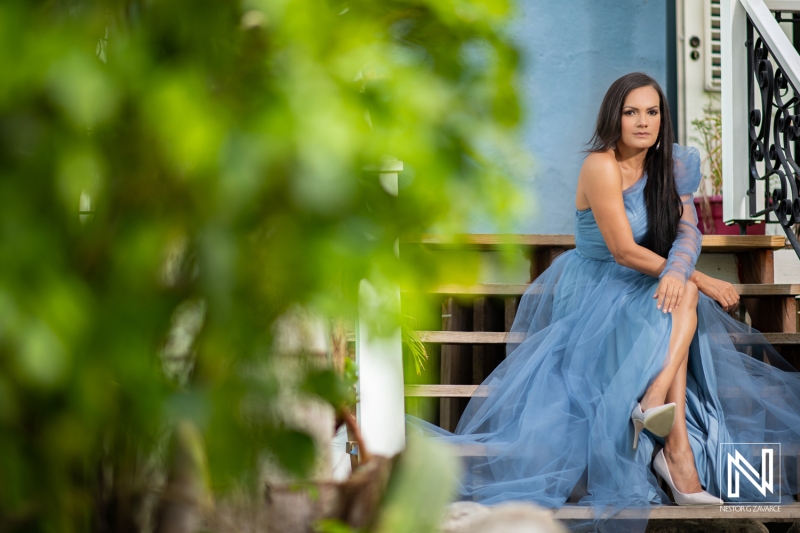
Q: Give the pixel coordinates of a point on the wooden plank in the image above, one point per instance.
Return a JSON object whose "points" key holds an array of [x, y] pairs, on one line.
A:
{"points": [[493, 337], [483, 450], [447, 391], [779, 513], [481, 391], [470, 337], [496, 337], [481, 289], [517, 289], [738, 243], [772, 338], [469, 450], [711, 243], [490, 241], [772, 289]]}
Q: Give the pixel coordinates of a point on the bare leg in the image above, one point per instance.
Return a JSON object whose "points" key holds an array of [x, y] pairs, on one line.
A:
{"points": [[677, 450], [684, 324], [670, 386]]}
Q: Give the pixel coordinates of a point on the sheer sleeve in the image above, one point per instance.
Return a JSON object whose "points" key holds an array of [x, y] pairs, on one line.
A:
{"points": [[683, 254]]}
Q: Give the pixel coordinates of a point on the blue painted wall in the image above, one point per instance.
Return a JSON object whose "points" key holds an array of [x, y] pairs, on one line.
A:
{"points": [[571, 51]]}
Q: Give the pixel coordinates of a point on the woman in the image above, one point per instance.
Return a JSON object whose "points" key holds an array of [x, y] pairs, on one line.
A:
{"points": [[622, 334]]}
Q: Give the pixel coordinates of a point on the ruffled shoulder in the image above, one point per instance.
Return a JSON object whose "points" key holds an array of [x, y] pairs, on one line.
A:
{"points": [[687, 168]]}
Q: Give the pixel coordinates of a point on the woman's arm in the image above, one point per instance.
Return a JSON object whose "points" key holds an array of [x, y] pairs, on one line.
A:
{"points": [[720, 291], [602, 186]]}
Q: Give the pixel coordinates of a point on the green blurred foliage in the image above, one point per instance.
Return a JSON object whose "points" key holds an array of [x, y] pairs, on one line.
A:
{"points": [[216, 151], [418, 493]]}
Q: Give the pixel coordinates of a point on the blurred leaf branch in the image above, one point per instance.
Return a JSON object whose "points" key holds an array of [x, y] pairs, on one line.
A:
{"points": [[220, 149], [415, 345]]}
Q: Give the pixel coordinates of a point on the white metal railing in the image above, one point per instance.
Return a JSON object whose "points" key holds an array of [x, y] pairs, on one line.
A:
{"points": [[737, 102]]}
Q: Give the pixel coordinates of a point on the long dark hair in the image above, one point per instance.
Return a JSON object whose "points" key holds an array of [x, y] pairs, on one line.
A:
{"points": [[664, 207]]}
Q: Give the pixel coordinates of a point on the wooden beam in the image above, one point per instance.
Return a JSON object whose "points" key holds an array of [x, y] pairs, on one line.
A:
{"points": [[517, 289], [496, 337], [470, 337], [482, 391], [488, 316], [456, 365], [740, 243], [781, 513], [447, 391], [490, 241], [711, 243]]}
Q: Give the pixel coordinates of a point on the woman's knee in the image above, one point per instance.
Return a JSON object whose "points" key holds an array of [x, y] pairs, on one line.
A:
{"points": [[690, 292]]}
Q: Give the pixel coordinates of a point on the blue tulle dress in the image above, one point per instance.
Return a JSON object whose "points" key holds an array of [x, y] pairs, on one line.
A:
{"points": [[555, 425]]}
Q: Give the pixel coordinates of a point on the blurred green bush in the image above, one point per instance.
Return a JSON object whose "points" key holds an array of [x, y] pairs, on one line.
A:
{"points": [[215, 151]]}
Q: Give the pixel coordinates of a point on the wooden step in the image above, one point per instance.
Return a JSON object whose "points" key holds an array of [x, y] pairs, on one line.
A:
{"points": [[504, 289], [761, 513], [477, 241], [482, 391], [446, 391], [499, 337], [489, 450]]}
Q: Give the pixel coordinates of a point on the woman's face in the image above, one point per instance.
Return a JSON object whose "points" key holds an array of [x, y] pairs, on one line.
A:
{"points": [[641, 118]]}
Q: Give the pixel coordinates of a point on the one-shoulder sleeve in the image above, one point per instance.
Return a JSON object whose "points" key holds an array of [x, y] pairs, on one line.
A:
{"points": [[686, 247]]}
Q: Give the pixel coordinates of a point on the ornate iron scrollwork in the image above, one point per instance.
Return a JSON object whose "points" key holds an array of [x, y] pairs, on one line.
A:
{"points": [[774, 136]]}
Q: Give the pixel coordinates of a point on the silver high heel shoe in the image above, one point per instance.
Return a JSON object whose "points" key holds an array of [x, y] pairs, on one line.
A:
{"points": [[657, 420], [695, 498]]}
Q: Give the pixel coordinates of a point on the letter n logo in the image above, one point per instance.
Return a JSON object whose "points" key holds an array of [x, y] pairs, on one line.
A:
{"points": [[741, 474]]}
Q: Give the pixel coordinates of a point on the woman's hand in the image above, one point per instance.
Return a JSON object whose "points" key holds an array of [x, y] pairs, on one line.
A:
{"points": [[720, 291], [669, 293]]}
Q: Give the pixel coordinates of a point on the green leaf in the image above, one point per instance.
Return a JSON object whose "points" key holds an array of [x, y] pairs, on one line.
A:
{"points": [[293, 449], [416, 347]]}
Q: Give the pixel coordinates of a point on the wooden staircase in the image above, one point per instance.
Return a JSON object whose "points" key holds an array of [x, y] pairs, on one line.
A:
{"points": [[470, 338]]}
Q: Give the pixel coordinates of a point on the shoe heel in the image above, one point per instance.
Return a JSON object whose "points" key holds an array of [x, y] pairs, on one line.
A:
{"points": [[638, 426], [661, 423]]}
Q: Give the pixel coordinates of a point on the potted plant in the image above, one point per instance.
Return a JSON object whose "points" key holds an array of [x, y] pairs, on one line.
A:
{"points": [[709, 204]]}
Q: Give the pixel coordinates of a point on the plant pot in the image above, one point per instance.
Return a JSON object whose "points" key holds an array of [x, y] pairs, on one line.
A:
{"points": [[719, 227]]}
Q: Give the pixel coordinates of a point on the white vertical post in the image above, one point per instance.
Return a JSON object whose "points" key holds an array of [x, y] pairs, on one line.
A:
{"points": [[381, 406], [735, 121]]}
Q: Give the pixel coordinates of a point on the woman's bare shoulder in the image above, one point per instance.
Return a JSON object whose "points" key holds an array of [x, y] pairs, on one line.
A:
{"points": [[600, 161], [601, 167]]}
